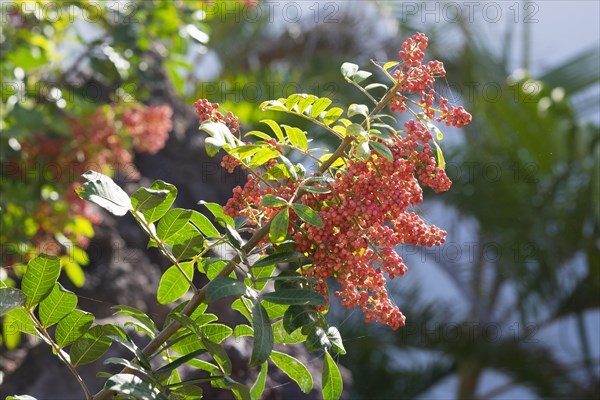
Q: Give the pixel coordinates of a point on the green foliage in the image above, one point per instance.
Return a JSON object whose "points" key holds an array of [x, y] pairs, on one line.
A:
{"points": [[289, 311], [294, 369], [42, 273], [100, 189], [332, 380]]}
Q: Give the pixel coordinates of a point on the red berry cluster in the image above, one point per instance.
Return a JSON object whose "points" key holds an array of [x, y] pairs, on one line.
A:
{"points": [[148, 126], [366, 210], [413, 77], [367, 218], [207, 111], [96, 142]]}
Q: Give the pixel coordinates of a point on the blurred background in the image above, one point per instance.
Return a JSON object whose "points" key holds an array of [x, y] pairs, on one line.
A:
{"points": [[508, 308]]}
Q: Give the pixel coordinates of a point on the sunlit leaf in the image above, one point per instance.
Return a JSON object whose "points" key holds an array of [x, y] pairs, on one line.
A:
{"points": [[331, 379], [173, 284], [276, 128], [332, 115], [100, 189], [319, 106], [72, 327], [92, 345], [348, 69], [294, 369], [279, 227], [56, 305], [259, 386], [40, 277]]}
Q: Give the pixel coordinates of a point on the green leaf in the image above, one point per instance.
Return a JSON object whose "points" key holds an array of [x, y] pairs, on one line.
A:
{"points": [[233, 237], [186, 393], [294, 369], [10, 299], [155, 213], [280, 336], [278, 258], [223, 287], [333, 334], [204, 225], [173, 284], [349, 69], [263, 335], [40, 277], [272, 201], [279, 227], [375, 85], [440, 156], [295, 297], [259, 273], [259, 386], [72, 327], [390, 64], [331, 379], [239, 306], [273, 105], [332, 115], [56, 305], [179, 362], [243, 330], [297, 137], [131, 385], [142, 320], [216, 332], [218, 354], [259, 134], [144, 198], [362, 151], [220, 135], [246, 151], [317, 340], [361, 76], [382, 150], [307, 100], [274, 310], [187, 243], [240, 391], [358, 109], [292, 100], [92, 345], [276, 128], [18, 320], [289, 169], [297, 317], [102, 190], [217, 212], [307, 214], [126, 342], [262, 157], [172, 222], [126, 363], [357, 131], [21, 397], [319, 106]]}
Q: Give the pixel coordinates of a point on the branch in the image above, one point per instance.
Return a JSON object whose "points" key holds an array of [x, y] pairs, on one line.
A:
{"points": [[200, 295]]}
